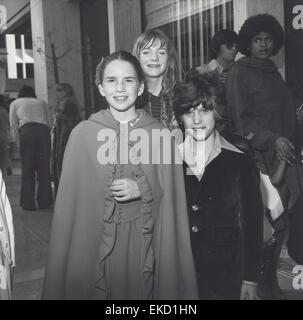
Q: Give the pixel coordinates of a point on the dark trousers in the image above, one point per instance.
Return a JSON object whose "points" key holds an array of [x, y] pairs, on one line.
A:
{"points": [[219, 270], [35, 163]]}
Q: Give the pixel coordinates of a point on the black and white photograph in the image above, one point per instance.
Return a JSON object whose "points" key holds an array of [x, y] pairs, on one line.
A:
{"points": [[151, 151]]}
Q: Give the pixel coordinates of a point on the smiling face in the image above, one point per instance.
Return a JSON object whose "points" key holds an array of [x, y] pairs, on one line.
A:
{"points": [[199, 122], [153, 59], [120, 85], [262, 46]]}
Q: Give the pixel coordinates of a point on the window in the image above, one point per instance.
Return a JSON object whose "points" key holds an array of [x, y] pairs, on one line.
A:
{"points": [[2, 41], [29, 67], [19, 70], [190, 24], [28, 44], [18, 41]]}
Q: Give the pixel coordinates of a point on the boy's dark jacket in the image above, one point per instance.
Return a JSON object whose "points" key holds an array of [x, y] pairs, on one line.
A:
{"points": [[229, 188]]}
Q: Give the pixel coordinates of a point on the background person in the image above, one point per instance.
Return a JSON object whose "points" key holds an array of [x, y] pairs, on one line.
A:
{"points": [[30, 123], [223, 51], [67, 116], [4, 137], [7, 244], [262, 108], [12, 145], [159, 62]]}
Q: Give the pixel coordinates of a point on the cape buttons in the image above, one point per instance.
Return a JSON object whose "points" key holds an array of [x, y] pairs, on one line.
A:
{"points": [[194, 229], [195, 207]]}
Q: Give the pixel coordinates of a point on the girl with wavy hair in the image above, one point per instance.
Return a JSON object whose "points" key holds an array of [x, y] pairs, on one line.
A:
{"points": [[159, 62]]}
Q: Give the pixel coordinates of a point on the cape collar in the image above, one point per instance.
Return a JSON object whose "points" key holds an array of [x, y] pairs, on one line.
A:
{"points": [[106, 118]]}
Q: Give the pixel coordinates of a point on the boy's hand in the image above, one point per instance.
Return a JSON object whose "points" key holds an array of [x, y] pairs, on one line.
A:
{"points": [[285, 149]]}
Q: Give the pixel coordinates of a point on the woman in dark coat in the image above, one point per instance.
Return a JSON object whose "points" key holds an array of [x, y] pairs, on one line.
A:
{"points": [[262, 109], [220, 179], [67, 117]]}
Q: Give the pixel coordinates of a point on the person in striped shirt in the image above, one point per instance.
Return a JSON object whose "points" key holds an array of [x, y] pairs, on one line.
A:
{"points": [[223, 51]]}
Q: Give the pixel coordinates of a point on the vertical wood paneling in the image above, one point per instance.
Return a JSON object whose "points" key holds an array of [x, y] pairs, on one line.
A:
{"points": [[179, 49], [190, 35], [127, 21], [201, 24]]}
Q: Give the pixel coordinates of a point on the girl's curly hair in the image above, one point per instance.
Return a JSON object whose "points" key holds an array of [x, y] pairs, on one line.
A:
{"points": [[256, 24]]}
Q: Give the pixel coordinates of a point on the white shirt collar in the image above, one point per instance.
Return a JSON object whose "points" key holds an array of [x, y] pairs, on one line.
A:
{"points": [[215, 65], [197, 161]]}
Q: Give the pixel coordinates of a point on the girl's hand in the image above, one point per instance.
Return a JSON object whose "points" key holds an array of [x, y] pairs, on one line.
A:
{"points": [[284, 149], [125, 189]]}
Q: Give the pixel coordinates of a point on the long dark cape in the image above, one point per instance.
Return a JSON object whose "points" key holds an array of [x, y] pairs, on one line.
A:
{"points": [[79, 219]]}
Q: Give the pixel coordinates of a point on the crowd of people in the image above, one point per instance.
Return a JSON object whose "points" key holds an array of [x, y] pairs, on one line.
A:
{"points": [[200, 213]]}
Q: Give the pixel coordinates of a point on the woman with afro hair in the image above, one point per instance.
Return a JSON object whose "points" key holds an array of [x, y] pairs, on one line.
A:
{"points": [[262, 109]]}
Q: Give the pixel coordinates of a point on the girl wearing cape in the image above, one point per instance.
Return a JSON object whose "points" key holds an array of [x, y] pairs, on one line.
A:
{"points": [[120, 228]]}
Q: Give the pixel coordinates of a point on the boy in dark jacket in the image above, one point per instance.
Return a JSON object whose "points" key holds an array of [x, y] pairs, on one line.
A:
{"points": [[224, 200]]}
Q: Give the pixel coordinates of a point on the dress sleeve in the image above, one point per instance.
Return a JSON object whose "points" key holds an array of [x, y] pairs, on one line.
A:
{"points": [[251, 217], [240, 110]]}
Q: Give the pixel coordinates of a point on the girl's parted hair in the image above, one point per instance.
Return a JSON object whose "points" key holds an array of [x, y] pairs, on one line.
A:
{"points": [[122, 56]]}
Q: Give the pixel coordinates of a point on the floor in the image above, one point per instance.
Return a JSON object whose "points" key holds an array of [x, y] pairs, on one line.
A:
{"points": [[32, 229]]}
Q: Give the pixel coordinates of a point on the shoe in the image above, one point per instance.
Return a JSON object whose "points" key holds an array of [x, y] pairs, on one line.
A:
{"points": [[44, 208]]}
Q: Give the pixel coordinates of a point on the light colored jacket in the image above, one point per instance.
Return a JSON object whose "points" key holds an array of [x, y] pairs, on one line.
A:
{"points": [[7, 243], [212, 66]]}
